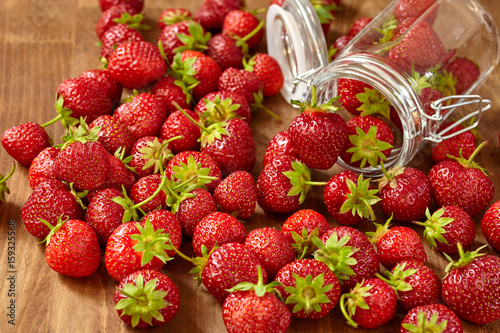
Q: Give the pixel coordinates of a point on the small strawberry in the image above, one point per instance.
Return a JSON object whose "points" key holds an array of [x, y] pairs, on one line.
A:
{"points": [[370, 304], [146, 298], [240, 23], [115, 36], [309, 288], [219, 106], [113, 134], [464, 71], [433, 317], [490, 225], [24, 142], [122, 13], [227, 51], [240, 81], [171, 94], [211, 13], [280, 144], [464, 143], [43, 166], [194, 208], [447, 227], [3, 185], [182, 36], [137, 5], [268, 71], [72, 248], [236, 195], [215, 229], [186, 133], [104, 78], [471, 287], [171, 16]]}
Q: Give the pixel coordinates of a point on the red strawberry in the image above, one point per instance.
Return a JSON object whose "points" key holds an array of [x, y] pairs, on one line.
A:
{"points": [[49, 201], [219, 106], [447, 227], [142, 116], [72, 248], [170, 224], [137, 5], [133, 246], [464, 143], [434, 317], [3, 185], [411, 8], [471, 287], [182, 36], [24, 142], [268, 70], [348, 89], [283, 184], [144, 189], [104, 78], [171, 16], [240, 23], [272, 248], [301, 227], [349, 202], [236, 195], [415, 284], [359, 25], [137, 64], [240, 81], [215, 229], [120, 175], [116, 36], [159, 289], [227, 51], [405, 193], [211, 13], [462, 183], [171, 94], [43, 166], [113, 134], [370, 304], [336, 48], [149, 155], [490, 225], [280, 144], [318, 135], [194, 208], [370, 140], [310, 289], [349, 254], [464, 71], [110, 16], [178, 126], [396, 244]]}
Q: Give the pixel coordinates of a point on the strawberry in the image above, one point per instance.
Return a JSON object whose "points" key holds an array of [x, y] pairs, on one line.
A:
{"points": [[414, 283], [120, 175], [227, 51], [240, 23], [215, 229], [171, 94], [194, 208], [168, 221], [395, 244], [348, 202], [211, 13], [272, 248], [143, 190], [104, 78], [149, 155], [43, 166], [411, 8], [462, 183], [300, 227], [336, 48], [325, 9], [268, 70], [3, 185], [349, 89], [464, 143], [72, 248], [464, 71], [318, 134], [490, 225], [219, 106], [240, 81], [447, 227], [116, 36], [159, 290], [24, 142], [471, 287], [113, 134], [255, 308], [280, 144], [433, 317], [136, 65], [182, 36], [171, 16], [349, 254], [370, 304], [133, 246], [370, 140], [178, 126], [309, 288], [115, 13], [137, 5], [283, 184], [142, 116], [236, 195], [405, 193], [358, 25]]}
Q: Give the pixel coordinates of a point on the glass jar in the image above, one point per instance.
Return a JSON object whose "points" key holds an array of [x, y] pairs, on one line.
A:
{"points": [[389, 60]]}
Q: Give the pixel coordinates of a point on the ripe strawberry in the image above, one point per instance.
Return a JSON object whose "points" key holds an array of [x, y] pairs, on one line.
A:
{"points": [[490, 225], [178, 126], [464, 143], [464, 71], [219, 106], [194, 208], [348, 202], [283, 184], [113, 134], [149, 155], [24, 142], [280, 144], [215, 229], [171, 16], [160, 291], [43, 166], [318, 134], [72, 248], [3, 185], [414, 283], [349, 254], [142, 116], [120, 175], [240, 81], [447, 227], [370, 304], [462, 183], [171, 94], [336, 48], [116, 36], [268, 70], [240, 23], [272, 248], [137, 64], [227, 51], [359, 25], [182, 36], [433, 317], [104, 78], [144, 188], [211, 13], [309, 288], [411, 8], [137, 5], [236, 195], [395, 244], [115, 13], [370, 140], [405, 193], [133, 246], [348, 89], [471, 287], [301, 227], [168, 221]]}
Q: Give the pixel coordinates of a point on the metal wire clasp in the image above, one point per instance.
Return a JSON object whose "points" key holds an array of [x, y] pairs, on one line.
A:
{"points": [[443, 110]]}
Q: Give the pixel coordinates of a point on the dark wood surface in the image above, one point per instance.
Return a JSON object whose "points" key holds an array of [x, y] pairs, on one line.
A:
{"points": [[43, 43]]}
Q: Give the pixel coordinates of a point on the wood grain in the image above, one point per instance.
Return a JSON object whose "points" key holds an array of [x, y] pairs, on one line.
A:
{"points": [[44, 42]]}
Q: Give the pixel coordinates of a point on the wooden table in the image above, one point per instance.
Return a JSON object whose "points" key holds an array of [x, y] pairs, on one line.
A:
{"points": [[43, 43]]}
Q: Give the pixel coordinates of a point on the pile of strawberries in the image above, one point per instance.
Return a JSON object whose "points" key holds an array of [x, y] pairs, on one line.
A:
{"points": [[133, 178]]}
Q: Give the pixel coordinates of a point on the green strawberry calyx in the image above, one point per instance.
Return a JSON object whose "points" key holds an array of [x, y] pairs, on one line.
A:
{"points": [[258, 105], [426, 325], [323, 10], [81, 133], [434, 227], [308, 293], [397, 278], [380, 231], [183, 72], [313, 106], [374, 102], [470, 163], [142, 301], [360, 198], [367, 148], [157, 154], [132, 21], [336, 255], [260, 288], [176, 16], [465, 258], [64, 114], [151, 243], [219, 110], [354, 299], [192, 173], [300, 180], [3, 185], [390, 176], [196, 40], [387, 30], [53, 228], [303, 244]]}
